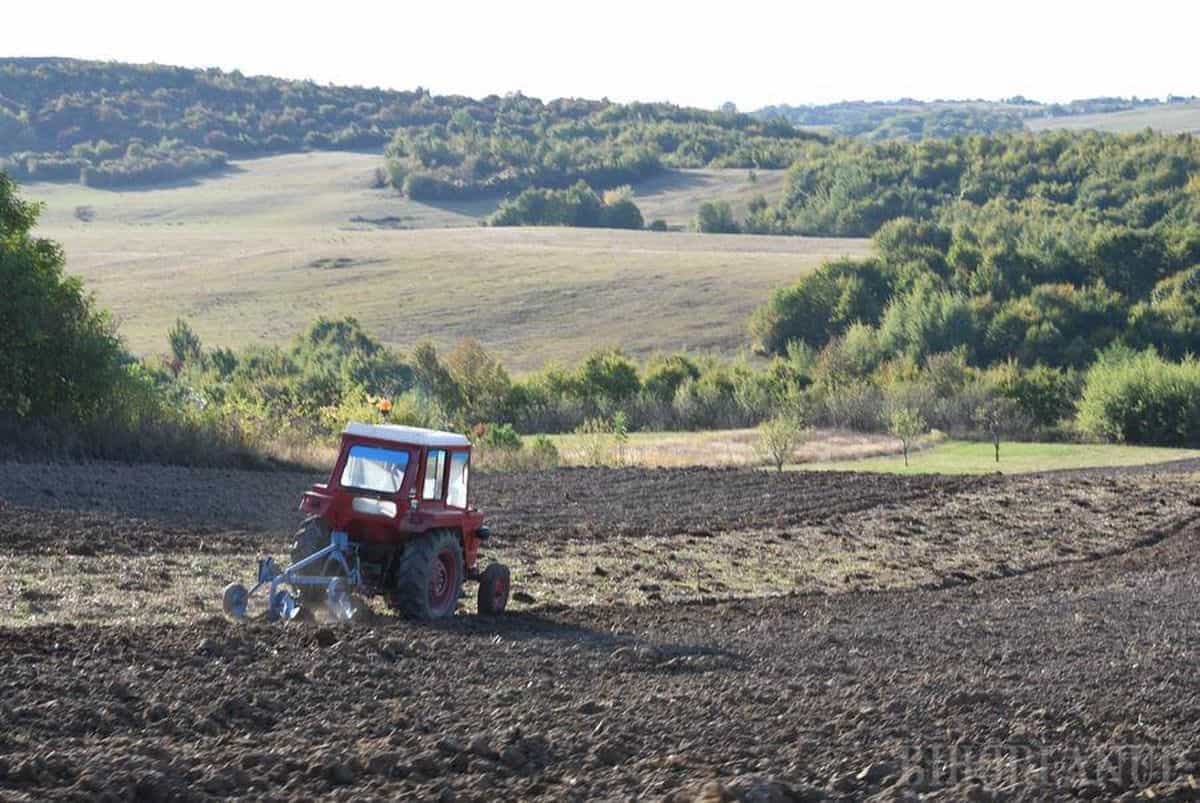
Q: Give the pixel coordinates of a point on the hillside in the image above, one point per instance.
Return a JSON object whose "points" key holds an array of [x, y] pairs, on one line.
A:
{"points": [[1172, 118], [113, 125], [256, 254]]}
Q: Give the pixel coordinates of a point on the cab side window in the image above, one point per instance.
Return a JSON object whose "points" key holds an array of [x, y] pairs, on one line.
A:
{"points": [[456, 493], [435, 474]]}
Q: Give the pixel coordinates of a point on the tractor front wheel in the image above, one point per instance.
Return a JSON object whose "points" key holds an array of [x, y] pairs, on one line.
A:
{"points": [[429, 576], [493, 589]]}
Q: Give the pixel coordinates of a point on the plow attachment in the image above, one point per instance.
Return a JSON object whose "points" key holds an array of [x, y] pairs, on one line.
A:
{"points": [[340, 574]]}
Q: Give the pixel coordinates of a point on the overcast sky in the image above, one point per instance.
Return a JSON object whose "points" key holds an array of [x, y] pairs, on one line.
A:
{"points": [[693, 53]]}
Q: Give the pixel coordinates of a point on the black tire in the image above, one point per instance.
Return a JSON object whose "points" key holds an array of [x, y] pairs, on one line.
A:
{"points": [[494, 585], [312, 536], [429, 576]]}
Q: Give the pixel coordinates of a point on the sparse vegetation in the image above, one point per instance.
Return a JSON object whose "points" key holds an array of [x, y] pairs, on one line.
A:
{"points": [[779, 438], [999, 417], [906, 425]]}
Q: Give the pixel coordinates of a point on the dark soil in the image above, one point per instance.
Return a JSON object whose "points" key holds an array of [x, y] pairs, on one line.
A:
{"points": [[1076, 680], [600, 503], [58, 532]]}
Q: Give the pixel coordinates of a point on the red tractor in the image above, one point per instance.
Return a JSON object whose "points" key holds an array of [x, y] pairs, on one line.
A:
{"points": [[393, 520]]}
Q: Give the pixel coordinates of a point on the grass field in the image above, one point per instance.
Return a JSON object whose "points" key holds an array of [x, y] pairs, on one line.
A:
{"points": [[254, 255], [965, 457], [1169, 119], [836, 450]]}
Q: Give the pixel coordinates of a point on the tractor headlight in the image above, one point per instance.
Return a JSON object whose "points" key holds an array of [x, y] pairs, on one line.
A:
{"points": [[373, 507]]}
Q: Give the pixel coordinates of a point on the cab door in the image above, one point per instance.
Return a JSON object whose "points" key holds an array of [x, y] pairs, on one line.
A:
{"points": [[433, 481]]}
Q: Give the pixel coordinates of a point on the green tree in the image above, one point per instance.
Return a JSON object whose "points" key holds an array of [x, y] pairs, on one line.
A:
{"points": [[433, 379], [778, 439], [906, 424], [821, 305], [60, 357], [998, 417], [482, 382]]}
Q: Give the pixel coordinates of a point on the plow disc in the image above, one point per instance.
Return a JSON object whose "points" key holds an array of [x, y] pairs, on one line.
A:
{"points": [[281, 587]]}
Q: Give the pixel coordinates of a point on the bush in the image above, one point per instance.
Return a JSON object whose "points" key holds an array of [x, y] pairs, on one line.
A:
{"points": [[543, 453], [715, 217], [664, 375], [498, 447], [576, 206], [1142, 398], [498, 436], [608, 376]]}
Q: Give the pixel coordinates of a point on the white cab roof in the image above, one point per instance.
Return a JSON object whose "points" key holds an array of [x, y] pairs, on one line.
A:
{"points": [[407, 435]]}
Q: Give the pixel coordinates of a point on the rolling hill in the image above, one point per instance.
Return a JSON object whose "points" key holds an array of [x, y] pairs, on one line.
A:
{"points": [[255, 254]]}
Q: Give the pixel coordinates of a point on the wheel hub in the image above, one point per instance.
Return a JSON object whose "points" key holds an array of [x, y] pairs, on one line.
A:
{"points": [[441, 579]]}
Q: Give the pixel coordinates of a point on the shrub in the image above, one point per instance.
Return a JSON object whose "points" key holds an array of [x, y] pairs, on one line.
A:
{"points": [[577, 205], [664, 375], [927, 320], [715, 217], [857, 405], [498, 436], [543, 453], [1046, 395], [622, 214], [607, 376], [595, 442], [1142, 398]]}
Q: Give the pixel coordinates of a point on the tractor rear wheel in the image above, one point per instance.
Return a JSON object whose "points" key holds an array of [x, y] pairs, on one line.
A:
{"points": [[312, 536], [493, 589], [429, 576]]}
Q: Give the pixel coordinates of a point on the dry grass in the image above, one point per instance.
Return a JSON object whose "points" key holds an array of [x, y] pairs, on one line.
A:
{"points": [[253, 256], [675, 195], [732, 447], [1171, 119]]}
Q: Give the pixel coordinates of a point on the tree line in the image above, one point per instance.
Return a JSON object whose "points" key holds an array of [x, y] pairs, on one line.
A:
{"points": [[524, 143], [912, 119]]}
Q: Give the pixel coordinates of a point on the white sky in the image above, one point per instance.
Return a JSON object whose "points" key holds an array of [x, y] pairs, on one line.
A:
{"points": [[692, 53]]}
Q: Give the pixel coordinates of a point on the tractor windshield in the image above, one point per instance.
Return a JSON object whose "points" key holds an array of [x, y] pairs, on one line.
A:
{"points": [[373, 468]]}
